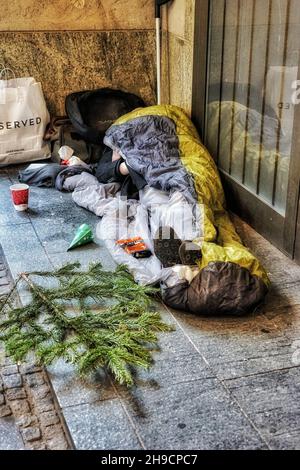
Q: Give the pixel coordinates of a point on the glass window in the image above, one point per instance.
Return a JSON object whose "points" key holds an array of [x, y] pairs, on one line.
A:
{"points": [[253, 64]]}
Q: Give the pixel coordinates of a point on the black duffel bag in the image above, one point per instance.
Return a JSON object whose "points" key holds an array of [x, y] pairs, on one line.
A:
{"points": [[93, 112]]}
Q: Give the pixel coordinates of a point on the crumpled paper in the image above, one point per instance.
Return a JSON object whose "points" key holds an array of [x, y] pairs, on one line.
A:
{"points": [[65, 152]]}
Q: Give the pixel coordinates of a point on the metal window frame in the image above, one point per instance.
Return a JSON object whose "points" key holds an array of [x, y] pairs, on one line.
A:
{"points": [[200, 64]]}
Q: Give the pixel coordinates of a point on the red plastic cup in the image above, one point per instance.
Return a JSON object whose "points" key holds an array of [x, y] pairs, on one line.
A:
{"points": [[20, 194]]}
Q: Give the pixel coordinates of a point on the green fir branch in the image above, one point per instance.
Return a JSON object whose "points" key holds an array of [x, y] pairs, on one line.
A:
{"points": [[122, 332]]}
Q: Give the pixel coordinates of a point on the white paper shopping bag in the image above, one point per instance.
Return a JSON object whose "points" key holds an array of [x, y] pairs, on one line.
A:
{"points": [[23, 120]]}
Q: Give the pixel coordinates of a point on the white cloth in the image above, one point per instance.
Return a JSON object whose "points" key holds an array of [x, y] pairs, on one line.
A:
{"points": [[126, 218]]}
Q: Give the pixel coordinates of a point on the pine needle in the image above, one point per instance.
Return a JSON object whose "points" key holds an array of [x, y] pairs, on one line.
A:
{"points": [[122, 334]]}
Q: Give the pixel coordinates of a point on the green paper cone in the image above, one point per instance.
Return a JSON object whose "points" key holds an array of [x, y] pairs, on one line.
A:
{"points": [[83, 236]]}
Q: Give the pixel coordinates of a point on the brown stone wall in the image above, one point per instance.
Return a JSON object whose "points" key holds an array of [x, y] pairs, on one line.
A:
{"points": [[48, 15], [71, 45]]}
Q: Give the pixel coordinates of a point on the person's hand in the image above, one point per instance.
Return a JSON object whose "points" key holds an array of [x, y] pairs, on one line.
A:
{"points": [[115, 156], [123, 169]]}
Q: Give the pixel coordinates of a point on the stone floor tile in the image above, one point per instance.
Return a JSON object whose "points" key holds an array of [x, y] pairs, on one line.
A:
{"points": [[10, 438], [22, 249], [56, 218], [289, 440], [101, 426], [72, 390], [271, 400], [193, 415], [237, 346], [174, 370], [87, 254], [280, 268]]}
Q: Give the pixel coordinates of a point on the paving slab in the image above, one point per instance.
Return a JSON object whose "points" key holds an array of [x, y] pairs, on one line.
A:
{"points": [[191, 415], [24, 252], [23, 249], [271, 400], [237, 346], [92, 253], [280, 268], [174, 370], [283, 310], [286, 441], [72, 390], [101, 426], [10, 437], [56, 219]]}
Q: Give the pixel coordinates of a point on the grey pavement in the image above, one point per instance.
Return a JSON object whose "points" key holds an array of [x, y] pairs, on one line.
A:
{"points": [[217, 383]]}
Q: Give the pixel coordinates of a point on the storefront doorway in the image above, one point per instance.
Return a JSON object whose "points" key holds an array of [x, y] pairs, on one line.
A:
{"points": [[245, 102]]}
